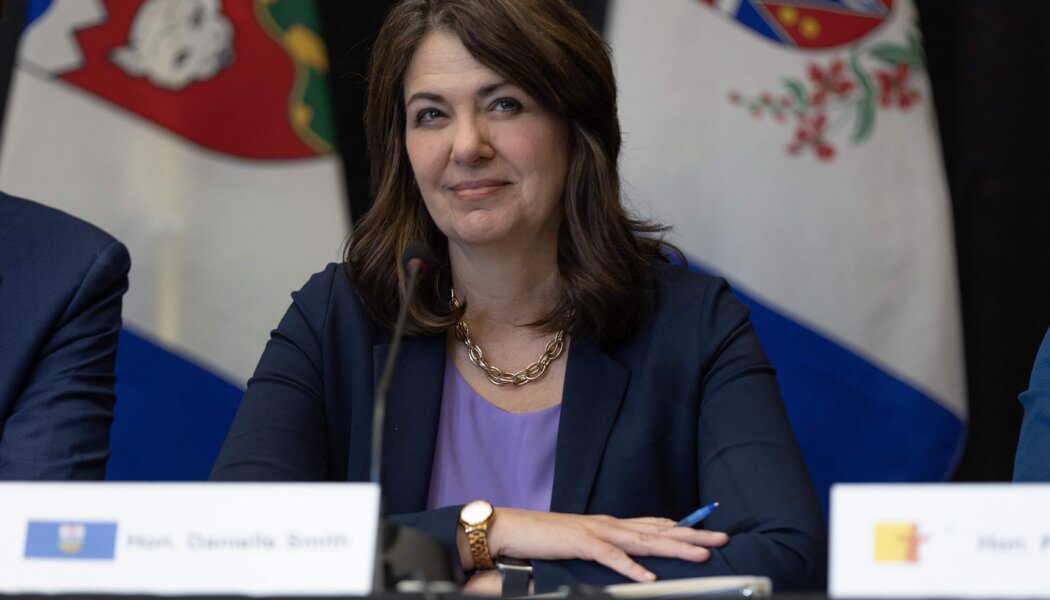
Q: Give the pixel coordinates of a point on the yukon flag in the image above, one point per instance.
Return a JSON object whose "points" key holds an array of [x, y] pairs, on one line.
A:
{"points": [[792, 145], [199, 133]]}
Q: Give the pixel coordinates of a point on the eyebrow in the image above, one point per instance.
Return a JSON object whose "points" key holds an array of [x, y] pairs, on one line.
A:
{"points": [[481, 93]]}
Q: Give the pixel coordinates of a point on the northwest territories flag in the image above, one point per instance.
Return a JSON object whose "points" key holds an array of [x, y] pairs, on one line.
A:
{"points": [[792, 145], [198, 132]]}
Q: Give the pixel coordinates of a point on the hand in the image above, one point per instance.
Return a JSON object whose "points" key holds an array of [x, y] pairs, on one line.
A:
{"points": [[607, 540], [484, 583]]}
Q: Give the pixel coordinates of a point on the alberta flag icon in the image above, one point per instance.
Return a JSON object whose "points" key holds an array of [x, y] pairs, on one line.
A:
{"points": [[71, 540]]}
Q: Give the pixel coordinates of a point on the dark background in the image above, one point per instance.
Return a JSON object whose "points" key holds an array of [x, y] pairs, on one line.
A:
{"points": [[988, 61]]}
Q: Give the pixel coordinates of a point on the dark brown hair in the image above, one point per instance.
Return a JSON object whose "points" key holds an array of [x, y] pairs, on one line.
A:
{"points": [[549, 50]]}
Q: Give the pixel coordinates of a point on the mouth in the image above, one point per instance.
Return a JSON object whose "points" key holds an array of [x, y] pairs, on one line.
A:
{"points": [[478, 188]]}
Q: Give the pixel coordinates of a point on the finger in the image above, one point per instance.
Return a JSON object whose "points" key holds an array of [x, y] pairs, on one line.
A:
{"points": [[654, 544], [616, 559], [484, 583], [657, 521], [640, 526], [597, 522], [697, 537]]}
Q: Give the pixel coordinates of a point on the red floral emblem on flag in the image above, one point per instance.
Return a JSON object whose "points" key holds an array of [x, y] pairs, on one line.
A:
{"points": [[844, 92]]}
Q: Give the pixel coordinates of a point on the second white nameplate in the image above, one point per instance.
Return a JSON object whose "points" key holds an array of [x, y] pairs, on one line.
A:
{"points": [[940, 541]]}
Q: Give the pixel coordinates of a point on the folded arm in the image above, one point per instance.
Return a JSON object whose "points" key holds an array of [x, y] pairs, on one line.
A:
{"points": [[748, 461]]}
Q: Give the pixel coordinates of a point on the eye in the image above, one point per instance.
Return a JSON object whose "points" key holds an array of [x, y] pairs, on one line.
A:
{"points": [[427, 115], [506, 105]]}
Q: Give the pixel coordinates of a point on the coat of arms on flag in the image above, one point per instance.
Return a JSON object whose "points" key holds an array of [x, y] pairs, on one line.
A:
{"points": [[837, 97], [807, 24], [183, 63], [71, 537], [794, 151], [200, 134]]}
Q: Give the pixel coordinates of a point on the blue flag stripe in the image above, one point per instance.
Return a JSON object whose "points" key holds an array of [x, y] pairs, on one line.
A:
{"points": [[171, 415], [854, 421], [35, 9]]}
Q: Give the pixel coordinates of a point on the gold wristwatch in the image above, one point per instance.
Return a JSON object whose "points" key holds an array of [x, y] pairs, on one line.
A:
{"points": [[475, 519]]}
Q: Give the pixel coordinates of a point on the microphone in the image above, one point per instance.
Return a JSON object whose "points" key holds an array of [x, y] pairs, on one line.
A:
{"points": [[416, 262], [418, 257]]}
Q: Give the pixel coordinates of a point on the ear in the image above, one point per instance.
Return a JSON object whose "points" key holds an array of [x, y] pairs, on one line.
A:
{"points": [[129, 60]]}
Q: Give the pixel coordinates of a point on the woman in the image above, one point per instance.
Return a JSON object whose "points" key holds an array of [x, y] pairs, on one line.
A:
{"points": [[493, 136]]}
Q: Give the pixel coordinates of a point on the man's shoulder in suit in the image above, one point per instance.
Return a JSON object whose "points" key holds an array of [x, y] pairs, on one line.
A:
{"points": [[61, 231]]}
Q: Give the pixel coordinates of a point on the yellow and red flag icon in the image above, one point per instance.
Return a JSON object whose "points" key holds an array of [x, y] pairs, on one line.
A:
{"points": [[897, 542]]}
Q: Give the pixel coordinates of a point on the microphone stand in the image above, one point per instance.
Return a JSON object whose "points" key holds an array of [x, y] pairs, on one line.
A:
{"points": [[414, 267], [409, 552]]}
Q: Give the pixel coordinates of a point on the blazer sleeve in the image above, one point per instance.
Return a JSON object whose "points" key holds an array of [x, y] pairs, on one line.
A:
{"points": [[279, 432], [749, 462], [59, 424], [1032, 462]]}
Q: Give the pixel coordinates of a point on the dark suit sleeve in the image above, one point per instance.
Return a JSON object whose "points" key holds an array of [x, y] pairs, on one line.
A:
{"points": [[59, 423], [439, 523], [749, 462], [279, 431]]}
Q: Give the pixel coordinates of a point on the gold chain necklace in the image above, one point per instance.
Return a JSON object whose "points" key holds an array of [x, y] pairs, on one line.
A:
{"points": [[554, 349]]}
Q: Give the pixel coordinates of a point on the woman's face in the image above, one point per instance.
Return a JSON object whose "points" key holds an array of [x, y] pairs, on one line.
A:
{"points": [[490, 160]]}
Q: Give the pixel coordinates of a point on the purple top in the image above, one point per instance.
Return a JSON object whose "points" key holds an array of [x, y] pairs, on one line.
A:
{"points": [[486, 452]]}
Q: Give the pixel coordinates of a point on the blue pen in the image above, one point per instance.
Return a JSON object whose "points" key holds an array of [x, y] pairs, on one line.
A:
{"points": [[697, 515]]}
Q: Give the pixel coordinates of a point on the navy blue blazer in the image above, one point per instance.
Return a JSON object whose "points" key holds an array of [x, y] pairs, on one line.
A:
{"points": [[684, 413], [61, 284]]}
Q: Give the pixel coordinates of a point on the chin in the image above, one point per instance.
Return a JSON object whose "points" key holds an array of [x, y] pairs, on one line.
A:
{"points": [[480, 232], [478, 238]]}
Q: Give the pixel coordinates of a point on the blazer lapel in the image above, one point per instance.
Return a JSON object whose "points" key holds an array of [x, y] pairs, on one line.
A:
{"points": [[595, 385], [412, 413]]}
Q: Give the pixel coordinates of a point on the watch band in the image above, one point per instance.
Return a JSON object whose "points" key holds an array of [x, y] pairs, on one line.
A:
{"points": [[475, 517], [478, 539], [516, 575]]}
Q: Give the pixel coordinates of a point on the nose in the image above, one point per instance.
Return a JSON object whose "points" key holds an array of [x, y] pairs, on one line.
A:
{"points": [[472, 144]]}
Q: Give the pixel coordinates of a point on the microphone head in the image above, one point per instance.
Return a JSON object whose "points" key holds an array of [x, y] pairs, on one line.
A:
{"points": [[418, 256]]}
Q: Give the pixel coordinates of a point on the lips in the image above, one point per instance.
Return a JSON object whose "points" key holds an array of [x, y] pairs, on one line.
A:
{"points": [[478, 188]]}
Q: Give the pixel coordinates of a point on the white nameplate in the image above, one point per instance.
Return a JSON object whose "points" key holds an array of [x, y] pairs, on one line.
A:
{"points": [[948, 540], [188, 538]]}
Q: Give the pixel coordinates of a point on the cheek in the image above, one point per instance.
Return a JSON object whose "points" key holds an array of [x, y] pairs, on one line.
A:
{"points": [[548, 141], [551, 160], [427, 169], [424, 156]]}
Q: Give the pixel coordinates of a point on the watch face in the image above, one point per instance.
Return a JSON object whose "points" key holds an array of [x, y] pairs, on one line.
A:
{"points": [[476, 512]]}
